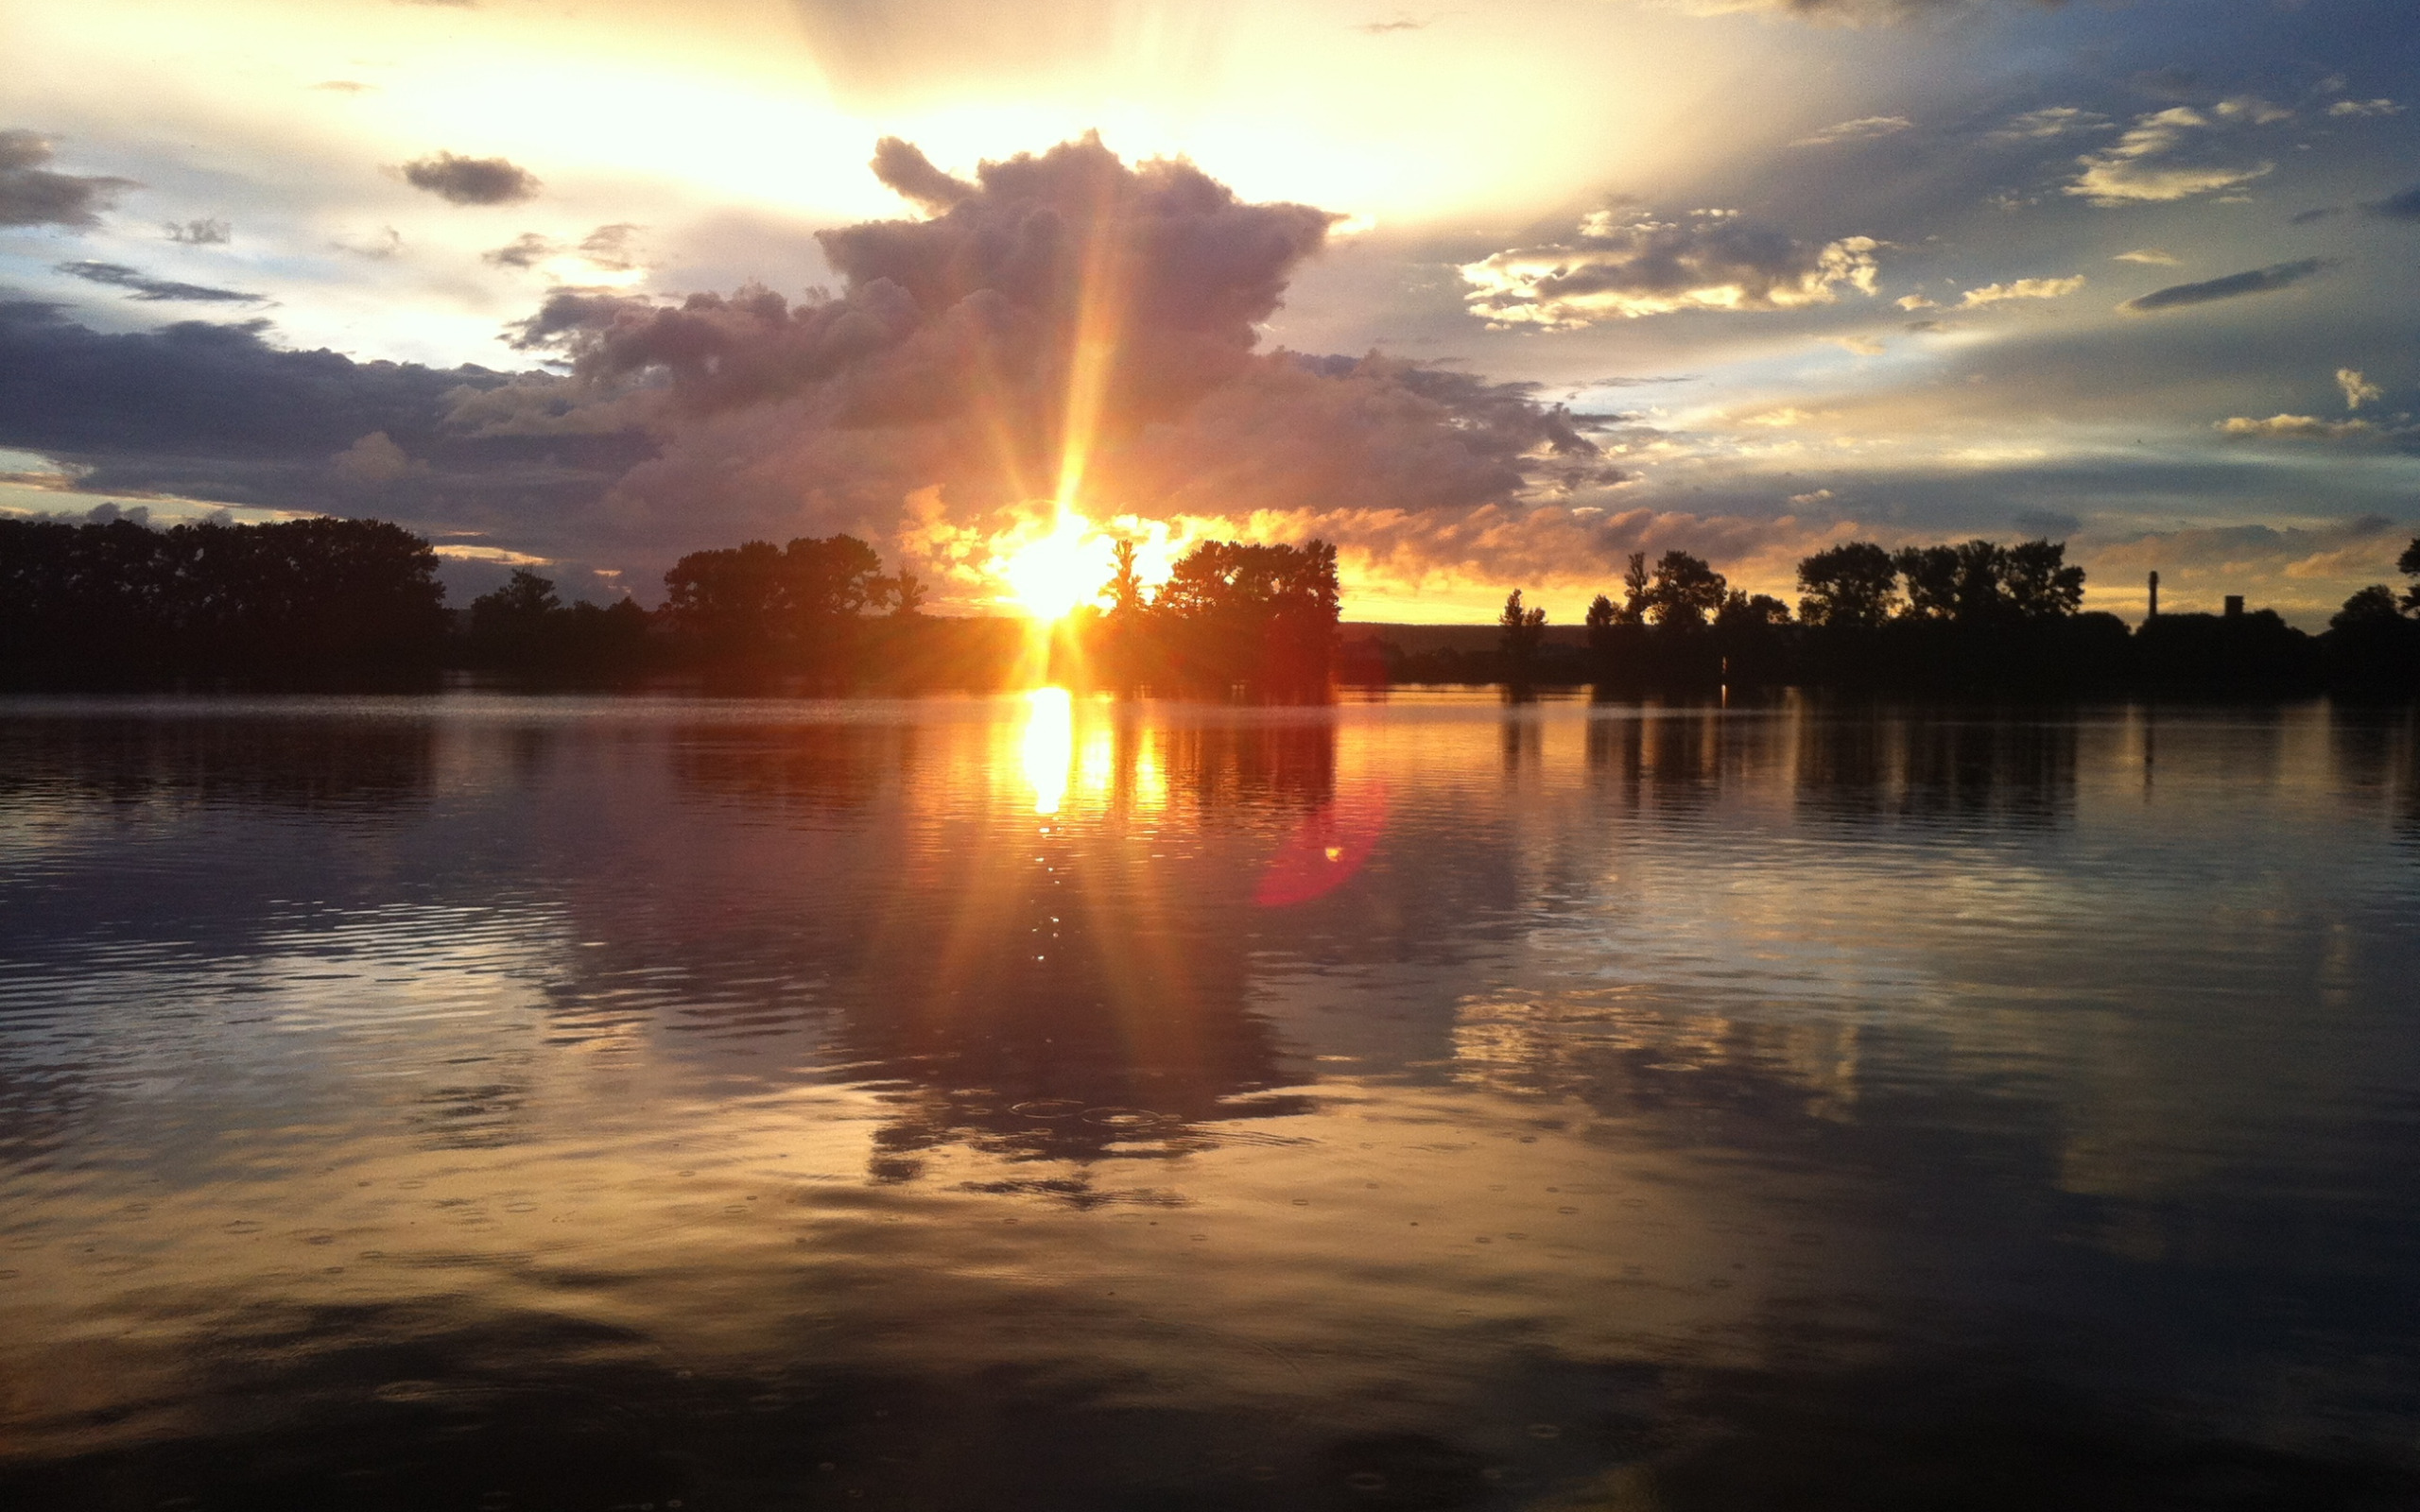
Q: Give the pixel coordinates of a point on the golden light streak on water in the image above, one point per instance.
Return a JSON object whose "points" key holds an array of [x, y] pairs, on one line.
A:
{"points": [[1049, 746]]}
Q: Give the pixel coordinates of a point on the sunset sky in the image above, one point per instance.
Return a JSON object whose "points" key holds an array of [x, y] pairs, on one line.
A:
{"points": [[1491, 295]]}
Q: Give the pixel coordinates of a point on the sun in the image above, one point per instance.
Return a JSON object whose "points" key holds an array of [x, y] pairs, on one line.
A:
{"points": [[1055, 573]]}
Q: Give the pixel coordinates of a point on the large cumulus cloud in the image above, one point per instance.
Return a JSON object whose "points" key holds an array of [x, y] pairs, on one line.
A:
{"points": [[1057, 317]]}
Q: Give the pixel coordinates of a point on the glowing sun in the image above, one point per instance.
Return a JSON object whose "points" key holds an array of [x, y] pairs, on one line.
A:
{"points": [[1053, 574]]}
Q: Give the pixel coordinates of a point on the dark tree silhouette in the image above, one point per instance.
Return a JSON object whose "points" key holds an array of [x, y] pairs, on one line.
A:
{"points": [[1637, 587], [1854, 583], [2408, 566], [795, 607], [303, 599], [1686, 592], [1523, 630], [1260, 617], [2037, 583]]}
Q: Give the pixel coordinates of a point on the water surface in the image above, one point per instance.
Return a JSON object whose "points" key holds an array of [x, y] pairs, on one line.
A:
{"points": [[505, 1103]]}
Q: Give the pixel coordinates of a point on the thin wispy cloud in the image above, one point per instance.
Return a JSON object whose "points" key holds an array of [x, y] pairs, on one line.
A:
{"points": [[2178, 153], [2233, 287], [153, 290], [2051, 124], [1865, 128]]}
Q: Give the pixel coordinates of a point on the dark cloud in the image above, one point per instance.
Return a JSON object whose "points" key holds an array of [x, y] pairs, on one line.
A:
{"points": [[215, 412], [1620, 267], [31, 195], [117, 275], [2306, 218], [472, 181], [2405, 206], [200, 232], [2047, 523], [2234, 286]]}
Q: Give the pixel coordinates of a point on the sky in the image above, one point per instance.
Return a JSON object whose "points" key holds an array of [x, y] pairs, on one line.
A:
{"points": [[1491, 297]]}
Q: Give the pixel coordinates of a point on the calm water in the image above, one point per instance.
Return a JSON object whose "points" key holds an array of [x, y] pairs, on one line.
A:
{"points": [[497, 1104]]}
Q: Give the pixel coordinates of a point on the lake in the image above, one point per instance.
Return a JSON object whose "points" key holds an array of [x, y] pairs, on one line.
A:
{"points": [[497, 1103]]}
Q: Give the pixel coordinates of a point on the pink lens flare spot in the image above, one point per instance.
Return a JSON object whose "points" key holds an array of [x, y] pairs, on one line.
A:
{"points": [[1324, 851]]}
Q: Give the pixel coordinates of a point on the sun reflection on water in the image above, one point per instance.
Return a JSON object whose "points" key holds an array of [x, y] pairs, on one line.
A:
{"points": [[1050, 745]]}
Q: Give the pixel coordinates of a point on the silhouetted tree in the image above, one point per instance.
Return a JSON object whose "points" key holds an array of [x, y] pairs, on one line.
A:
{"points": [[2037, 584], [794, 607], [2374, 605], [1853, 583], [1263, 617], [1522, 631], [1637, 586], [1600, 618], [2408, 566], [308, 599], [1931, 574], [1686, 592]]}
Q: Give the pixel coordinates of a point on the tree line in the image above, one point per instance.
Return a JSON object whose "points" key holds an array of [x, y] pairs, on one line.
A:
{"points": [[357, 603], [326, 602], [1971, 617]]}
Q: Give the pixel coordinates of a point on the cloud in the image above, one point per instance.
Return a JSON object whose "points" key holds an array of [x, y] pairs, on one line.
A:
{"points": [[198, 232], [1858, 346], [2147, 254], [378, 248], [212, 412], [2365, 108], [472, 181], [1855, 13], [2234, 286], [2296, 428], [2405, 206], [2051, 124], [938, 397], [2357, 388], [2173, 154], [1382, 28], [1865, 129], [345, 86], [608, 248], [31, 195], [2023, 288], [2306, 218], [117, 275], [374, 459], [1620, 270], [526, 250], [605, 250]]}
